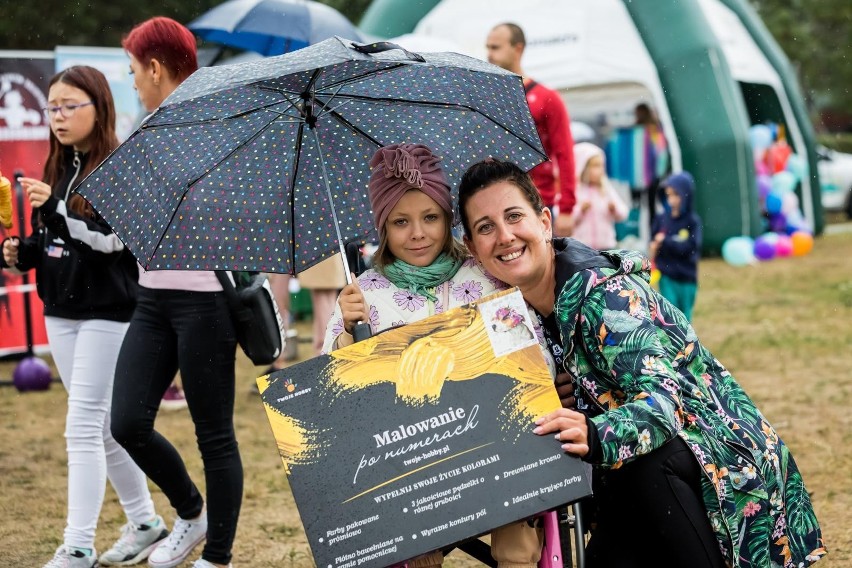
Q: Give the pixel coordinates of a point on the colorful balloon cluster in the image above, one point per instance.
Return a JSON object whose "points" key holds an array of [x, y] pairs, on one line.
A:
{"points": [[779, 171]]}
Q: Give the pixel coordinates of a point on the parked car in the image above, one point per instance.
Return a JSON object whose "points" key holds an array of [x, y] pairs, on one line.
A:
{"points": [[835, 175]]}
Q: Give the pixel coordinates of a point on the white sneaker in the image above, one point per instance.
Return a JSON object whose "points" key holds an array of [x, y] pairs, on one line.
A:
{"points": [[185, 536], [201, 563], [67, 557], [135, 543]]}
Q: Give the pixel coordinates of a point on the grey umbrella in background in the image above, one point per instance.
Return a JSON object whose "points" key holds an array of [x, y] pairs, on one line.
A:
{"points": [[272, 27], [264, 165]]}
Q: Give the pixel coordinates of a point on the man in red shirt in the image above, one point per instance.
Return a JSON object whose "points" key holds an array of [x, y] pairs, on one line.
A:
{"points": [[554, 178]]}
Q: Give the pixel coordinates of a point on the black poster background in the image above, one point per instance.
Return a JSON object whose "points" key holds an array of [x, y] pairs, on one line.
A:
{"points": [[358, 512]]}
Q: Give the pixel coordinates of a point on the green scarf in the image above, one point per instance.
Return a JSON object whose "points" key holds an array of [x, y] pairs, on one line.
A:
{"points": [[419, 279]]}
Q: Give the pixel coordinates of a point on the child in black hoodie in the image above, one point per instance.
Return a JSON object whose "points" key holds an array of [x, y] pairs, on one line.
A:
{"points": [[676, 245]]}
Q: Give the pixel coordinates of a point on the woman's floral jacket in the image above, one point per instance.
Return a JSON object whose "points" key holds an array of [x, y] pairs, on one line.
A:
{"points": [[639, 361]]}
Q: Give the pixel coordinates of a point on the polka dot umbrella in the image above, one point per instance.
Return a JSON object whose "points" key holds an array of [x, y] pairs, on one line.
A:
{"points": [[264, 165]]}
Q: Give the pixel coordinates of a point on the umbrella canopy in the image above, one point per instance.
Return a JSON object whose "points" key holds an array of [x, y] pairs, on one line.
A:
{"points": [[264, 165], [272, 27]]}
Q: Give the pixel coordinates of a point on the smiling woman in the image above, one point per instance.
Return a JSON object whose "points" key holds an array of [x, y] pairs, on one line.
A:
{"points": [[684, 462]]}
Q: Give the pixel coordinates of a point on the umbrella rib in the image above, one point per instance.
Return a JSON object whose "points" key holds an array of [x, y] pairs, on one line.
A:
{"points": [[366, 73], [314, 77], [291, 194], [333, 210], [326, 110], [356, 129], [328, 102], [202, 121], [428, 104]]}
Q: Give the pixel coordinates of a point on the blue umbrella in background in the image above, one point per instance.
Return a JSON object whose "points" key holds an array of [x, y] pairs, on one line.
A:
{"points": [[272, 27]]}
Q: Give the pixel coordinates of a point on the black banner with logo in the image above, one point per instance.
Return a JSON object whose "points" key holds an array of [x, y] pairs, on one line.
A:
{"points": [[420, 437]]}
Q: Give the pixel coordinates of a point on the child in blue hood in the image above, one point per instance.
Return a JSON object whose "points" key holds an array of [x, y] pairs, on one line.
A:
{"points": [[676, 245]]}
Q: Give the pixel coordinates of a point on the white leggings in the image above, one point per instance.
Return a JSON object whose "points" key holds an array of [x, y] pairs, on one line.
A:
{"points": [[85, 352]]}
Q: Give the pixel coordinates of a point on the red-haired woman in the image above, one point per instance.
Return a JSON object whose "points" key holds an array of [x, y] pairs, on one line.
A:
{"points": [[87, 281], [181, 322]]}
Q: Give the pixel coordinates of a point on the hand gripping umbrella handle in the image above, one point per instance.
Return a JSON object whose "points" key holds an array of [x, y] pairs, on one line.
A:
{"points": [[361, 331], [350, 255], [380, 46]]}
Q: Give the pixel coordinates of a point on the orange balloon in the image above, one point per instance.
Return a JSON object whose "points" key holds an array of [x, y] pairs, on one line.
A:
{"points": [[802, 242]]}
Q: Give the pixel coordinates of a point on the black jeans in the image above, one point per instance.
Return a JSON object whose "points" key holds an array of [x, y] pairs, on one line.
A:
{"points": [[650, 513], [190, 331]]}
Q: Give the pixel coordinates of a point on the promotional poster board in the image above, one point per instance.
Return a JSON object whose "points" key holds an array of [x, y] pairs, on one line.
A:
{"points": [[24, 134], [421, 436]]}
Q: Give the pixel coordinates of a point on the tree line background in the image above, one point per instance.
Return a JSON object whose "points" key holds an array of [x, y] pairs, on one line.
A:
{"points": [[815, 34]]}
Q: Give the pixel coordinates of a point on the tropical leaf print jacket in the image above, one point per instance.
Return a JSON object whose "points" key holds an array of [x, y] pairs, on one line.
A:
{"points": [[640, 363]]}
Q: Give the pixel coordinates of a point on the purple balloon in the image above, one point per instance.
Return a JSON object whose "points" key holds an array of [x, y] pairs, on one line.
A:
{"points": [[764, 186], [764, 248], [31, 374], [778, 223]]}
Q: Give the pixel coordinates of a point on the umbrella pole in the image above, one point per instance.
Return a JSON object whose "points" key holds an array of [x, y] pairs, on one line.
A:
{"points": [[360, 330]]}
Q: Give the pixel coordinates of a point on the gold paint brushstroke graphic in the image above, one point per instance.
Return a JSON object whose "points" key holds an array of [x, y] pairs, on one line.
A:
{"points": [[263, 383], [523, 404], [297, 444], [422, 370], [418, 358]]}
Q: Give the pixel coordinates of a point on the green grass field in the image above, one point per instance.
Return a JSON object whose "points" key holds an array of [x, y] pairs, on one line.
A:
{"points": [[783, 328]]}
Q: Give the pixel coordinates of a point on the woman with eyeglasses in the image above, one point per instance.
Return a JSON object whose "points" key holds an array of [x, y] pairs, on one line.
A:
{"points": [[87, 281]]}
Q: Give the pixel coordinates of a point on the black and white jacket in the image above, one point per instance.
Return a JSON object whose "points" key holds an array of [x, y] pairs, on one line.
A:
{"points": [[83, 270]]}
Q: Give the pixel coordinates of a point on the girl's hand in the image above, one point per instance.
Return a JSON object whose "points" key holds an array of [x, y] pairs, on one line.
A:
{"points": [[353, 307], [570, 428], [10, 251], [37, 191]]}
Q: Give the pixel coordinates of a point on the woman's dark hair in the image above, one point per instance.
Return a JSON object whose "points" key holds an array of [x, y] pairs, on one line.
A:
{"points": [[102, 140], [645, 115], [491, 171], [452, 247], [167, 41]]}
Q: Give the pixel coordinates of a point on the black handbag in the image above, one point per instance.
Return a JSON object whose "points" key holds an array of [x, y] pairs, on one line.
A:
{"points": [[257, 321]]}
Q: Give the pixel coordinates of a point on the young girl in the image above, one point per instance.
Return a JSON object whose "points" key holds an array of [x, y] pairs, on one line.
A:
{"points": [[598, 204], [87, 281], [420, 270]]}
